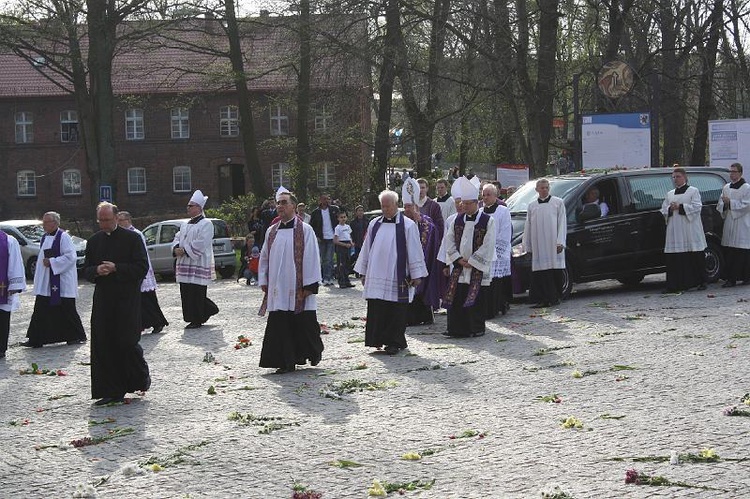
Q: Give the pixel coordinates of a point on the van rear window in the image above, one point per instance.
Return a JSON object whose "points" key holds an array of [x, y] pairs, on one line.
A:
{"points": [[220, 229]]}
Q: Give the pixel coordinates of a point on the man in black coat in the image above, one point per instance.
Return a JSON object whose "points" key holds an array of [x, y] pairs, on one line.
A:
{"points": [[116, 262], [323, 220]]}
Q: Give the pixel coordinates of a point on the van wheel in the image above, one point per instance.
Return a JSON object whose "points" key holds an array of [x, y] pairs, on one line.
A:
{"points": [[226, 272], [714, 262], [631, 280], [567, 281]]}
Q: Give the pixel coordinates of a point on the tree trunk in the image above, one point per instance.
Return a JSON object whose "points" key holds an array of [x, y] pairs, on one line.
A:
{"points": [[247, 128], [303, 172], [706, 106], [385, 90]]}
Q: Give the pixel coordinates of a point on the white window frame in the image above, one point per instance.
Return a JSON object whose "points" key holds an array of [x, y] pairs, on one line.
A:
{"points": [[27, 179], [280, 175], [326, 173], [279, 120], [229, 121], [134, 185], [24, 127], [323, 119], [179, 173], [68, 126], [71, 183], [134, 128], [180, 120]]}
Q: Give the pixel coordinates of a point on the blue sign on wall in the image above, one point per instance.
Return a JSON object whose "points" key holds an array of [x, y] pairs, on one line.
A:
{"points": [[105, 193]]}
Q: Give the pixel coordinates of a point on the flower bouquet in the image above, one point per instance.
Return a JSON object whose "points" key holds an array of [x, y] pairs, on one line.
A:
{"points": [[242, 342], [35, 369]]}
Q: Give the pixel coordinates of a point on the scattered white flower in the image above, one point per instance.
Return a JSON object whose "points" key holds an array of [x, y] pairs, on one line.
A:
{"points": [[84, 490], [330, 394], [674, 457], [131, 469]]}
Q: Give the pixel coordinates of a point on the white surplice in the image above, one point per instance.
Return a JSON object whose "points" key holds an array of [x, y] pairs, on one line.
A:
{"points": [[197, 265], [149, 282], [16, 275], [63, 265], [277, 270], [684, 232], [377, 259], [447, 207], [546, 227], [503, 235], [481, 259], [736, 232]]}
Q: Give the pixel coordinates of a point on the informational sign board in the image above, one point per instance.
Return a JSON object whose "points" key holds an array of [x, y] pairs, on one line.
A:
{"points": [[105, 193], [616, 141], [512, 175], [729, 142]]}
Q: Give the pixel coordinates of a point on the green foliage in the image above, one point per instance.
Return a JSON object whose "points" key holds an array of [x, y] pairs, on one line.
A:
{"points": [[235, 212]]}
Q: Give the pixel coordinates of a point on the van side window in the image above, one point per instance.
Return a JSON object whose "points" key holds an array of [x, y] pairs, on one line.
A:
{"points": [[710, 186], [648, 192], [150, 235], [167, 233]]}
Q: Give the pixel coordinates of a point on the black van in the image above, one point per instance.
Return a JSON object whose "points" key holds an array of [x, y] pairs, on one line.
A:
{"points": [[627, 243]]}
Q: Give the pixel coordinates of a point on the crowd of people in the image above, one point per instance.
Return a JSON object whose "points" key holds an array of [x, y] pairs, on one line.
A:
{"points": [[451, 252]]}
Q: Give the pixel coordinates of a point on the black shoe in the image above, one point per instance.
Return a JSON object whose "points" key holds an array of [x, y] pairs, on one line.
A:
{"points": [[157, 329], [193, 325], [447, 334], [701, 287], [729, 284], [110, 400], [77, 342], [477, 335], [30, 345], [391, 350]]}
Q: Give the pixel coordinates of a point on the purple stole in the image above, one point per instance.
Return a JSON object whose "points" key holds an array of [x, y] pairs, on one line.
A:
{"points": [[299, 256], [403, 286], [54, 279], [475, 283], [4, 257]]}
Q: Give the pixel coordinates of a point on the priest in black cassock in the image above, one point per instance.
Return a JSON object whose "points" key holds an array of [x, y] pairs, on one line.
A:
{"points": [[116, 262], [289, 275]]}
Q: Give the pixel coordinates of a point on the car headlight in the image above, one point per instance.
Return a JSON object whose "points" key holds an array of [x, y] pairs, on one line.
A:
{"points": [[518, 250]]}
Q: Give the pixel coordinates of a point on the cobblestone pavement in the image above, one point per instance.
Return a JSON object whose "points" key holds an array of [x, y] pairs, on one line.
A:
{"points": [[655, 372]]}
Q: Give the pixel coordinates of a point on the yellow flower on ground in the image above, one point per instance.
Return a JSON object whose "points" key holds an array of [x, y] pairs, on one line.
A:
{"points": [[411, 456], [577, 374], [377, 489], [572, 422], [708, 453], [156, 467]]}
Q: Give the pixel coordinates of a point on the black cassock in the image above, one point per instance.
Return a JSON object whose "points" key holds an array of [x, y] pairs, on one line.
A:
{"points": [[117, 363]]}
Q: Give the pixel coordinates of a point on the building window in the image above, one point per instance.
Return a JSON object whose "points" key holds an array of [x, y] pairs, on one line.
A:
{"points": [[279, 120], [24, 127], [229, 121], [26, 183], [280, 175], [180, 123], [181, 181], [326, 176], [323, 119], [69, 126], [136, 180], [71, 183], [134, 124]]}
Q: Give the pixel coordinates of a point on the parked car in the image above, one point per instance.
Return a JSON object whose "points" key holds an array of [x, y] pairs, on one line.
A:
{"points": [[628, 243], [29, 234], [159, 237]]}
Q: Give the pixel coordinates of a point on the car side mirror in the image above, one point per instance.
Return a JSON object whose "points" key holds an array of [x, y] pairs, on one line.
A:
{"points": [[589, 212]]}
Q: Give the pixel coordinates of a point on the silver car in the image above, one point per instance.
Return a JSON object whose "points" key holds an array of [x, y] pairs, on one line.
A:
{"points": [[159, 237], [29, 234]]}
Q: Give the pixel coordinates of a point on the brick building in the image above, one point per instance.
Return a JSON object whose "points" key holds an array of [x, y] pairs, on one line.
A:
{"points": [[177, 126]]}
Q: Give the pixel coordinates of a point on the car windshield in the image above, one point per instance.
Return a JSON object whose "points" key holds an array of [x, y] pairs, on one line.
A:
{"points": [[519, 201], [220, 229], [33, 233]]}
